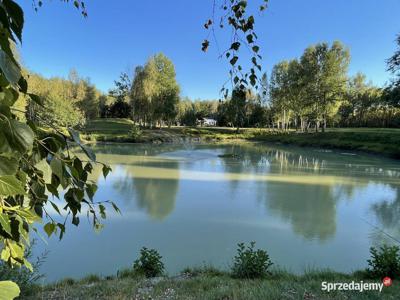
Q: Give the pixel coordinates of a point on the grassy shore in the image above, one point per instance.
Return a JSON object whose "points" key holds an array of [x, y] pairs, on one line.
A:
{"points": [[213, 284], [382, 141]]}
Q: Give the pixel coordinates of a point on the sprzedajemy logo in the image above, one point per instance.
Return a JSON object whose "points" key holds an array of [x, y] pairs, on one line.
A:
{"points": [[360, 286]]}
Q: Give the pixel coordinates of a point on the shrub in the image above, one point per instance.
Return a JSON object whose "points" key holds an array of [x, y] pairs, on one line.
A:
{"points": [[25, 279], [384, 261], [135, 132], [250, 263], [149, 263]]}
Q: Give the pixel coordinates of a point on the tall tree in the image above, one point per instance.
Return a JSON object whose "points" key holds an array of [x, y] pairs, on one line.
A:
{"points": [[237, 105], [392, 92], [121, 108], [280, 92], [325, 73], [393, 63], [155, 91]]}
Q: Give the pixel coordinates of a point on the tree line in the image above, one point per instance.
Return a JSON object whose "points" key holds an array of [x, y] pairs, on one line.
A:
{"points": [[306, 93], [315, 90]]}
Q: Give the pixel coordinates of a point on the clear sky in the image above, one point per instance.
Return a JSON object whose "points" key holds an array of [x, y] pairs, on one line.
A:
{"points": [[120, 34]]}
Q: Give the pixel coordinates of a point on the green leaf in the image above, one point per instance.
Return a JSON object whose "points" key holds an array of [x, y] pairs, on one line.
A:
{"points": [[36, 99], [28, 265], [53, 190], [16, 250], [49, 228], [62, 230], [91, 190], [75, 220], [29, 215], [250, 38], [235, 46], [256, 49], [7, 97], [116, 208], [106, 171], [5, 254], [11, 186], [16, 15], [75, 137], [8, 166], [89, 153], [55, 207], [234, 60], [57, 168], [20, 136], [5, 223], [9, 68], [8, 290], [102, 211]]}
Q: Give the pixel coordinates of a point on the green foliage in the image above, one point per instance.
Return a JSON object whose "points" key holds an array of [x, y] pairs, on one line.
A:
{"points": [[384, 261], [25, 188], [120, 107], [25, 278], [8, 290], [236, 15], [155, 92], [149, 263], [250, 263], [393, 63], [135, 132], [65, 102]]}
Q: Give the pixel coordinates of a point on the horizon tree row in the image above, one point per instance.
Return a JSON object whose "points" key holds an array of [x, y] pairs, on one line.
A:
{"points": [[313, 91]]}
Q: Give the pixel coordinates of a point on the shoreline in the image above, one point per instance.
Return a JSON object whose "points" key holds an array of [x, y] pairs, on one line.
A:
{"points": [[375, 143], [211, 283]]}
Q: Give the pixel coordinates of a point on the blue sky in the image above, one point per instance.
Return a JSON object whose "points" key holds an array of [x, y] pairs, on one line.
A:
{"points": [[120, 34]]}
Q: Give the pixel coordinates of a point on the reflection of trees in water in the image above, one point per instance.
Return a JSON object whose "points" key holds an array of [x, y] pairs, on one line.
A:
{"points": [[387, 215], [310, 209], [156, 196], [259, 158]]}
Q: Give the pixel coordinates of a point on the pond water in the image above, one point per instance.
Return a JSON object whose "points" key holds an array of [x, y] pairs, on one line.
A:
{"points": [[193, 203]]}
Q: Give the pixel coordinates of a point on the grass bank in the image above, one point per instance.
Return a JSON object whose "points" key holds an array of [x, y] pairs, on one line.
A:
{"points": [[372, 140], [209, 283]]}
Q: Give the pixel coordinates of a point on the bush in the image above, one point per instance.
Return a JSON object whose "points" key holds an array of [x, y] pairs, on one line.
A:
{"points": [[26, 280], [250, 263], [384, 261], [149, 263], [135, 132]]}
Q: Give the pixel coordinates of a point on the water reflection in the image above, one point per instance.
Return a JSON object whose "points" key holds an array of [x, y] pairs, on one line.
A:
{"points": [[387, 214], [307, 207], [301, 187], [310, 209], [156, 196]]}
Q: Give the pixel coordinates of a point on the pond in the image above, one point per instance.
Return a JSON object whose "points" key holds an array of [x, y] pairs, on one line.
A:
{"points": [[309, 208]]}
